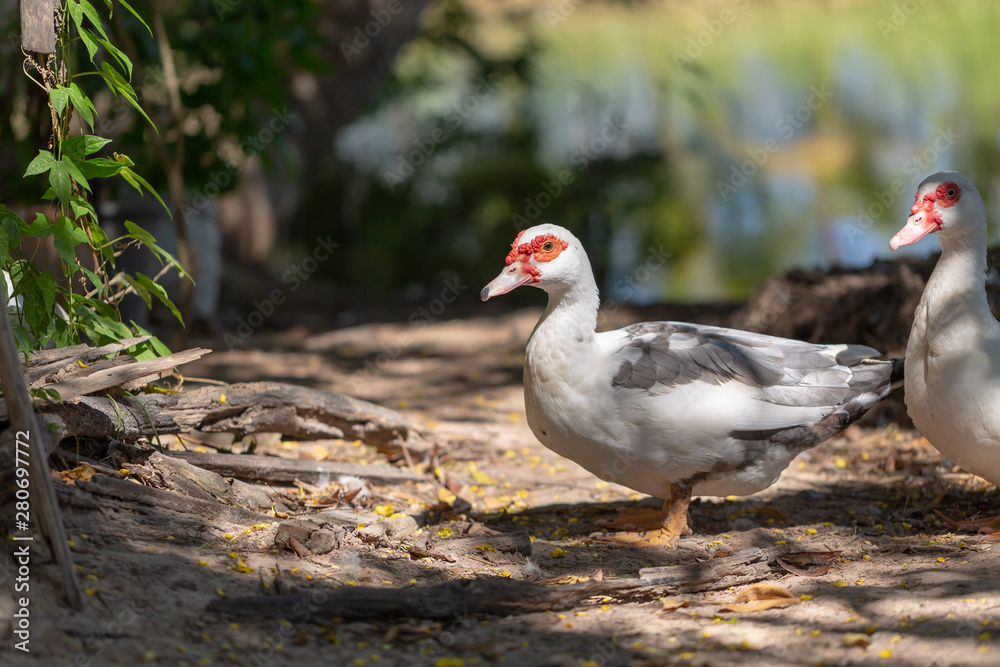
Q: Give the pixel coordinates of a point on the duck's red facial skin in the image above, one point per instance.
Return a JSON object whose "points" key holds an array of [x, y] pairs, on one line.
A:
{"points": [[924, 217], [542, 248]]}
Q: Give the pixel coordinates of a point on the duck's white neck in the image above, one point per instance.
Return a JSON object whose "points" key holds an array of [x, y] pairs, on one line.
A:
{"points": [[959, 279], [571, 314]]}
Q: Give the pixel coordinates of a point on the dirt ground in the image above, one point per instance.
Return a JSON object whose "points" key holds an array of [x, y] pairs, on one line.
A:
{"points": [[904, 588]]}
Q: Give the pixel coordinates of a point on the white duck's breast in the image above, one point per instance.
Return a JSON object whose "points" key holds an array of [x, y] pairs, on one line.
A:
{"points": [[953, 392]]}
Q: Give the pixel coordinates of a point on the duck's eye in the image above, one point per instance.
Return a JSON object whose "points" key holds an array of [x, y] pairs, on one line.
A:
{"points": [[548, 246], [950, 193]]}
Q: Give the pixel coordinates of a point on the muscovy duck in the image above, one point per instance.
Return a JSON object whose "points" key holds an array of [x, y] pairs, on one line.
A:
{"points": [[668, 408], [952, 385]]}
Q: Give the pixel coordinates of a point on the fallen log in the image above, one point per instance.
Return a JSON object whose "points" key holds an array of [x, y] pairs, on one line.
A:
{"points": [[277, 470], [169, 500], [494, 597], [241, 409]]}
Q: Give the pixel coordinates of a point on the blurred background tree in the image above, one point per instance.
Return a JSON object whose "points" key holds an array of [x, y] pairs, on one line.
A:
{"points": [[744, 138]]}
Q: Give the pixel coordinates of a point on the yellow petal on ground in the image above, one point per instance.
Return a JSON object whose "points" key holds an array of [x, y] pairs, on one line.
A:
{"points": [[479, 475], [222, 398]]}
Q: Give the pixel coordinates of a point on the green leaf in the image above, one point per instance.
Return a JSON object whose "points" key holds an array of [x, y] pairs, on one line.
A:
{"points": [[41, 164], [141, 235], [25, 341], [122, 59], [118, 84], [81, 207], [100, 167], [80, 147], [67, 235], [138, 182], [150, 349], [141, 290], [133, 12], [74, 171], [60, 181], [160, 293], [10, 233], [90, 41], [65, 333], [39, 294], [40, 228], [59, 96], [82, 103], [95, 280], [95, 18]]}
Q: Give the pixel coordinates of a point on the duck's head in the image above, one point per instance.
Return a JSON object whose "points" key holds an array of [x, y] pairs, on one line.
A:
{"points": [[946, 204], [545, 256]]}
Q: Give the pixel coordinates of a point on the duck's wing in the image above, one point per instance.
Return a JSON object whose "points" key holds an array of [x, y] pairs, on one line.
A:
{"points": [[799, 393]]}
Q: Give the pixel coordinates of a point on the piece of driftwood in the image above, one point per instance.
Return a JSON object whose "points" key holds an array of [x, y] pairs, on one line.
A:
{"points": [[62, 360], [240, 409], [296, 412], [495, 597], [147, 495], [277, 470], [124, 375], [30, 443]]}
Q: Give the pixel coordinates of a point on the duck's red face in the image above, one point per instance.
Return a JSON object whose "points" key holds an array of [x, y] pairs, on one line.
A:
{"points": [[925, 218], [524, 263]]}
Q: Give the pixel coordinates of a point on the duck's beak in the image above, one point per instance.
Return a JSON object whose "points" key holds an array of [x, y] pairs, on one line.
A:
{"points": [[510, 278], [918, 225]]}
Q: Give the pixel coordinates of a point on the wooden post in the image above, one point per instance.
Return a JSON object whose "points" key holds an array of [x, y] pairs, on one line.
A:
{"points": [[38, 30], [44, 509]]}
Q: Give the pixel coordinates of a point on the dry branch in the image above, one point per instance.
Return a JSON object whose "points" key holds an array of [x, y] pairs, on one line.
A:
{"points": [[277, 470]]}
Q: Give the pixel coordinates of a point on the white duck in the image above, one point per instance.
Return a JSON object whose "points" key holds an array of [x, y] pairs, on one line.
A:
{"points": [[668, 408], [953, 353]]}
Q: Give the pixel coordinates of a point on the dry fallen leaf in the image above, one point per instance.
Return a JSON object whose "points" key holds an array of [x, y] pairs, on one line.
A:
{"points": [[804, 558], [82, 472], [672, 604], [760, 597], [856, 639]]}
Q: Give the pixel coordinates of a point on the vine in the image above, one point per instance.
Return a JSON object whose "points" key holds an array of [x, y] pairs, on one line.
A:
{"points": [[85, 303]]}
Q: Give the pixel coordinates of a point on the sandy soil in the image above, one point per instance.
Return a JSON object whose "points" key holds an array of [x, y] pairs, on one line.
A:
{"points": [[905, 589]]}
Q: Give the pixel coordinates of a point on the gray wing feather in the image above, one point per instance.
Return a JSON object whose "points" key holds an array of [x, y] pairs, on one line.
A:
{"points": [[661, 355]]}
